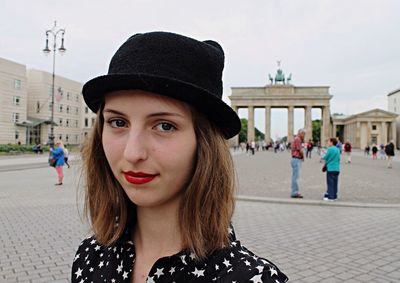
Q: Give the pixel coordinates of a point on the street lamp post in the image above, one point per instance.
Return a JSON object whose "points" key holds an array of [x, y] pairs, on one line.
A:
{"points": [[54, 31]]}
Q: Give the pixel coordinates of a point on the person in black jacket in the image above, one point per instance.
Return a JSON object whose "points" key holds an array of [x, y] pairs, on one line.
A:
{"points": [[389, 150], [159, 175]]}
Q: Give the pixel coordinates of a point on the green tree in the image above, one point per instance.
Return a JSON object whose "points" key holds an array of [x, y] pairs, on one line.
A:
{"points": [[243, 132], [316, 130]]}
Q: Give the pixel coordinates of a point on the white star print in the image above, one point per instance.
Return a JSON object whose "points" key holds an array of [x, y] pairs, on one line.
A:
{"points": [[260, 268], [119, 269], [192, 255], [273, 271], [82, 281], [78, 273], [198, 273], [216, 267], [226, 262], [150, 279], [125, 275], [257, 278], [265, 261], [172, 270], [113, 280], [234, 244], [76, 257], [243, 252], [97, 248], [183, 259], [247, 262], [232, 255], [101, 264], [91, 269], [159, 272]]}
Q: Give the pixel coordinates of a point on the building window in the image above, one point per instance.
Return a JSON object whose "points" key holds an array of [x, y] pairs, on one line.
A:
{"points": [[50, 90], [86, 110], [76, 138], [76, 111], [17, 84], [68, 95], [60, 108], [77, 97], [67, 123], [86, 122], [395, 109], [66, 138], [93, 120], [60, 122], [68, 109], [16, 100], [16, 135], [60, 137], [15, 117], [76, 123], [374, 127], [37, 107]]}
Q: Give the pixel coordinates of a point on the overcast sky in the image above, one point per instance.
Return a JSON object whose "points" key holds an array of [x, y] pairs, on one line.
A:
{"points": [[353, 46]]}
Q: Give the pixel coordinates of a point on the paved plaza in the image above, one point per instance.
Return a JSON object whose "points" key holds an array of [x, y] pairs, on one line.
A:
{"points": [[356, 239]]}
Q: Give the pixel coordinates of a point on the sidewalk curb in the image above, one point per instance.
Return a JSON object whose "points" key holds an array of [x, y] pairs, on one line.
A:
{"points": [[314, 202]]}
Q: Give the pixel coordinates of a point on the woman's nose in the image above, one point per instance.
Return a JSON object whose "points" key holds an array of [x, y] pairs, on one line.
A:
{"points": [[135, 147]]}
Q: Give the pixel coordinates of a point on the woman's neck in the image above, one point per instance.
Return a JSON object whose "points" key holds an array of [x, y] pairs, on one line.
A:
{"points": [[157, 232]]}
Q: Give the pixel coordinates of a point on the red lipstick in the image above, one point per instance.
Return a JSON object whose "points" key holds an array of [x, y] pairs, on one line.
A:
{"points": [[138, 178]]}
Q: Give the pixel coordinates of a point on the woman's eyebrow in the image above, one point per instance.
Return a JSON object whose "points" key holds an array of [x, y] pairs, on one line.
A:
{"points": [[156, 114], [112, 111]]}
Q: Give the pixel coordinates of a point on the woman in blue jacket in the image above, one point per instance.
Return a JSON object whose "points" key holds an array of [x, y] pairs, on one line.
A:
{"points": [[58, 154], [332, 163]]}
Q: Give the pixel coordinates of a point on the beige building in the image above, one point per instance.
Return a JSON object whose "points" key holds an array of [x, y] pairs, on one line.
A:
{"points": [[67, 108], [394, 106], [375, 126], [13, 101]]}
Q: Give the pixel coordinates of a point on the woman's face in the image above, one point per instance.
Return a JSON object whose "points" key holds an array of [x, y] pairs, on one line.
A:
{"points": [[150, 144]]}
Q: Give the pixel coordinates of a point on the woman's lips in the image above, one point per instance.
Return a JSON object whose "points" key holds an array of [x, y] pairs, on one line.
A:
{"points": [[138, 178]]}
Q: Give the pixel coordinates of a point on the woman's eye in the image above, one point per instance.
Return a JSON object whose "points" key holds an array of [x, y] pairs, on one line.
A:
{"points": [[165, 127], [117, 123]]}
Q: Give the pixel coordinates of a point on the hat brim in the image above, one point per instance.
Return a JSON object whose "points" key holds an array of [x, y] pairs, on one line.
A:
{"points": [[213, 107]]}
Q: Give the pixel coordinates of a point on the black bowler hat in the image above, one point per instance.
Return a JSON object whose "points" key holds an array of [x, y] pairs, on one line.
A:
{"points": [[171, 65]]}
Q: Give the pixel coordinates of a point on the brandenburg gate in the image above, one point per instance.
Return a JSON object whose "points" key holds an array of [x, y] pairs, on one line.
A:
{"points": [[281, 94]]}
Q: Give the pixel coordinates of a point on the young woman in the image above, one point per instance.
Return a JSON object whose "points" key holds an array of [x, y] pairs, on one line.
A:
{"points": [[159, 174], [332, 163], [58, 154]]}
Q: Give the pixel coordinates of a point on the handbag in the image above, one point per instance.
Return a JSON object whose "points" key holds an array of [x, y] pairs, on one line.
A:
{"points": [[52, 162], [324, 168]]}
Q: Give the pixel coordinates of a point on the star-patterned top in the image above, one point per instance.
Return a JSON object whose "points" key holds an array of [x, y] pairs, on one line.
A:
{"points": [[234, 264]]}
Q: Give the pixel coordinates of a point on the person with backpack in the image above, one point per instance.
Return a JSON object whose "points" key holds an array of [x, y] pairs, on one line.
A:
{"points": [[347, 151]]}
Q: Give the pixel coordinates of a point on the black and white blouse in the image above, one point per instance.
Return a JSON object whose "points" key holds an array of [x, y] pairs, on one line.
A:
{"points": [[235, 264]]}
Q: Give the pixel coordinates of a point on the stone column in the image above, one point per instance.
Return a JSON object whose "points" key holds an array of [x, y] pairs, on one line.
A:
{"points": [[267, 124], [235, 139], [369, 128], [358, 133], [384, 133], [290, 124], [325, 125], [308, 123], [393, 129], [250, 125]]}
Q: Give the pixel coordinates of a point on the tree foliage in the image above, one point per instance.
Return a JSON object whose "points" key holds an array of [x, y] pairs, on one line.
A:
{"points": [[243, 132], [316, 130]]}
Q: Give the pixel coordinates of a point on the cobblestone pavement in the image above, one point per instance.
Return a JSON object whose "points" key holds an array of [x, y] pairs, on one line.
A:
{"points": [[268, 174], [40, 228]]}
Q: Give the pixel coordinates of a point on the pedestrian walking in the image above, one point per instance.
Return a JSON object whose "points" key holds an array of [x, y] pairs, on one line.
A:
{"points": [[382, 154], [374, 150], [347, 151], [309, 148], [58, 154], [389, 150], [66, 153], [366, 150], [332, 163], [159, 174], [297, 159]]}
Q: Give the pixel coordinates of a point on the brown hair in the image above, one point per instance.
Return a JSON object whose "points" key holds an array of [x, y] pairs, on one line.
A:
{"points": [[207, 204], [334, 141]]}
